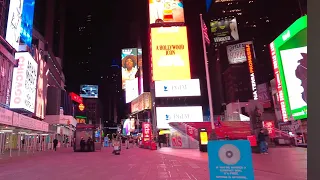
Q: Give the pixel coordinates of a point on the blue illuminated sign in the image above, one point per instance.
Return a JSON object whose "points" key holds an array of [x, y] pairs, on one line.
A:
{"points": [[230, 159], [27, 22]]}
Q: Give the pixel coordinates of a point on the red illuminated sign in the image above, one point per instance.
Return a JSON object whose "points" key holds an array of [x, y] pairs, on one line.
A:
{"points": [[81, 107], [269, 125], [278, 83], [76, 98], [146, 132]]}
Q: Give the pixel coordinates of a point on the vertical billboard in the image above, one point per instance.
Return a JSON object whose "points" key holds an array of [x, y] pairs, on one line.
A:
{"points": [[129, 65], [24, 83], [89, 91], [236, 53], [166, 11], [250, 59], [14, 23], [166, 115], [289, 57], [140, 69], [170, 53], [42, 82], [225, 30], [27, 22], [132, 90]]}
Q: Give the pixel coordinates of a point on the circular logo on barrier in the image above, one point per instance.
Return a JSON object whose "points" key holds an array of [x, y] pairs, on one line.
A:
{"points": [[229, 154]]}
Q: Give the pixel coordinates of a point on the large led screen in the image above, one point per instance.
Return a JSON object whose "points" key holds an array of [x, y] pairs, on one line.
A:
{"points": [[236, 52], [129, 64], [42, 86], [170, 54], [177, 88], [140, 69], [14, 23], [24, 83], [89, 91], [166, 11], [166, 115], [132, 90], [27, 22], [225, 30], [289, 56]]}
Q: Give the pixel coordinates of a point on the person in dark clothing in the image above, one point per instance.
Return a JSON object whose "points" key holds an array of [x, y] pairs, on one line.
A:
{"points": [[159, 142], [82, 144], [89, 144], [262, 142], [55, 144]]}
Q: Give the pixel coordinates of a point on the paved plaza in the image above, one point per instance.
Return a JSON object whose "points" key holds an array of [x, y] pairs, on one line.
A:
{"points": [[139, 164]]}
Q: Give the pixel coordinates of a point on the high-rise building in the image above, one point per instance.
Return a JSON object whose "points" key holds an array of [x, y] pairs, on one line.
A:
{"points": [[256, 22], [93, 111]]}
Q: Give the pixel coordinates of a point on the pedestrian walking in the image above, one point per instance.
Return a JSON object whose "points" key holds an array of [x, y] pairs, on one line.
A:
{"points": [[82, 144], [262, 142], [55, 144]]}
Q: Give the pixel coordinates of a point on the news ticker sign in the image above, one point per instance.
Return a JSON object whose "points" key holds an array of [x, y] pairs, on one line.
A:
{"points": [[24, 82], [177, 88], [250, 56], [166, 115]]}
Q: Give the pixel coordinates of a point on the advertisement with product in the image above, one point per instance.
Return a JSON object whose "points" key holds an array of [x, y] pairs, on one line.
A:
{"points": [[129, 126], [14, 23], [170, 53], [225, 30], [177, 88], [42, 85], [250, 59], [76, 98], [143, 102], [290, 57], [264, 95], [129, 64], [27, 22], [166, 11], [166, 115], [146, 132], [89, 91], [237, 53], [132, 89], [24, 83]]}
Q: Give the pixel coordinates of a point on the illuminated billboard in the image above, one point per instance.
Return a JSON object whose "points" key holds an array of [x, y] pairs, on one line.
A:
{"points": [[89, 91], [170, 54], [166, 11], [250, 59], [225, 30], [14, 23], [129, 65], [42, 82], [289, 57], [132, 90], [27, 22], [177, 88], [24, 83], [236, 53], [76, 98], [140, 69], [166, 115]]}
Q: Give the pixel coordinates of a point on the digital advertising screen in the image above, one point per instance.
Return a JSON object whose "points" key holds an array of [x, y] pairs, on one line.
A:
{"points": [[236, 53], [42, 86], [132, 90], [24, 83], [177, 88], [89, 91], [166, 11], [225, 30], [166, 115], [129, 64], [14, 23], [170, 53], [27, 22], [140, 71], [290, 57]]}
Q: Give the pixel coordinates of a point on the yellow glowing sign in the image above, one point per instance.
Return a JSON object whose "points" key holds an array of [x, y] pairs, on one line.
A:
{"points": [[170, 54], [203, 138]]}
